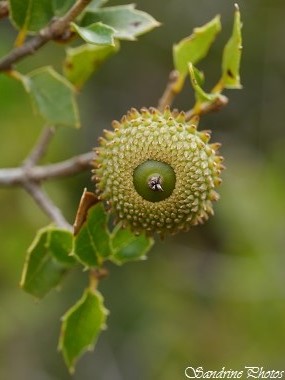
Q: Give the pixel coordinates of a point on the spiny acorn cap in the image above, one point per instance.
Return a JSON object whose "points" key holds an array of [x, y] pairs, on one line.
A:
{"points": [[157, 172]]}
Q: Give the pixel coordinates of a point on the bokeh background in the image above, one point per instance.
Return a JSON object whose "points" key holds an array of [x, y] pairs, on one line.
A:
{"points": [[212, 297]]}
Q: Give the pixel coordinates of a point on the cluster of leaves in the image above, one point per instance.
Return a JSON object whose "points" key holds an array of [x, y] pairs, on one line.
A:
{"points": [[189, 51], [56, 251], [99, 28]]}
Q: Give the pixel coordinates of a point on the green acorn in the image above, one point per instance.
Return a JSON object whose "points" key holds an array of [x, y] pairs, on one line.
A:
{"points": [[157, 172]]}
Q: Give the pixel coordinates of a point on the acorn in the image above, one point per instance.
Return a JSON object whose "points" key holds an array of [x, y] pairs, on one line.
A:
{"points": [[157, 172]]}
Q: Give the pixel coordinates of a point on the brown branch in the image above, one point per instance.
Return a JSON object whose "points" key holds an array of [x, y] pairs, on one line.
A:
{"points": [[4, 9], [39, 148], [18, 176], [45, 203], [214, 106], [169, 93], [54, 30]]}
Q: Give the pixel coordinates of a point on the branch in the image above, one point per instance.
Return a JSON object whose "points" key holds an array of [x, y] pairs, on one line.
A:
{"points": [[46, 204], [19, 176], [54, 30], [39, 148], [214, 106], [170, 92], [4, 9]]}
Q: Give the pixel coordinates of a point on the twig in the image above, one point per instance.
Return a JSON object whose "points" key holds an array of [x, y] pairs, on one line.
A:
{"points": [[39, 148], [216, 105], [169, 93], [54, 30], [18, 176], [4, 9], [95, 275], [46, 204]]}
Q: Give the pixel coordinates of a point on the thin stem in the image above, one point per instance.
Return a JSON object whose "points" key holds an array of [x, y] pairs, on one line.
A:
{"points": [[40, 147], [54, 30], [45, 203], [216, 105], [65, 168], [17, 176], [95, 275], [169, 93]]}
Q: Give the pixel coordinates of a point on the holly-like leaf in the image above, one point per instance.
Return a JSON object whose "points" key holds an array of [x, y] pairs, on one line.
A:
{"points": [[53, 97], [127, 246], [92, 243], [82, 61], [30, 15], [47, 261], [194, 48], [96, 33], [232, 55], [127, 21], [200, 95], [81, 326]]}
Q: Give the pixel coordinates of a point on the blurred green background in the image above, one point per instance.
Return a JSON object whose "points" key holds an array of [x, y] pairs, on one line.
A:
{"points": [[212, 297]]}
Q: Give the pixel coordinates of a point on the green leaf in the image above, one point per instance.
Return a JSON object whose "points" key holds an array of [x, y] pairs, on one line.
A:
{"points": [[30, 15], [92, 243], [60, 245], [194, 48], [53, 97], [125, 19], [96, 33], [81, 326], [60, 7], [200, 95], [82, 61], [232, 56], [127, 246], [47, 261]]}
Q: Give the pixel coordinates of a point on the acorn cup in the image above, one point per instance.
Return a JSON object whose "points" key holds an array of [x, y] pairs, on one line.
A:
{"points": [[156, 172]]}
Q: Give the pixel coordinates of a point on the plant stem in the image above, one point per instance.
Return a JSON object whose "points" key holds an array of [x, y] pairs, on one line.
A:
{"points": [[40, 147], [45, 203], [54, 30], [169, 93], [214, 106], [17, 176], [95, 275]]}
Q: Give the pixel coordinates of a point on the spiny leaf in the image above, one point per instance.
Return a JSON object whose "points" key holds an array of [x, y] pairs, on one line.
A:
{"points": [[96, 33], [47, 261], [92, 243], [81, 326], [125, 19], [126, 246], [194, 48], [232, 55], [53, 97], [82, 61]]}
